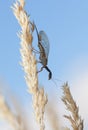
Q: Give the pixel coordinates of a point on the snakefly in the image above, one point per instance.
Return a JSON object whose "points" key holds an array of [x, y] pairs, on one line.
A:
{"points": [[43, 44]]}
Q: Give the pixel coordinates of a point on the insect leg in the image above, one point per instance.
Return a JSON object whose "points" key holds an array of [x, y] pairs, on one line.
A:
{"points": [[40, 69], [35, 51], [39, 61]]}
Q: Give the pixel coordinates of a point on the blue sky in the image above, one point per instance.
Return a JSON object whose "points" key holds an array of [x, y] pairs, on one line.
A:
{"points": [[66, 24]]}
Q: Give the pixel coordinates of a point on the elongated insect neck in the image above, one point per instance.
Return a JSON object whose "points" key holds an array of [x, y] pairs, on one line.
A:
{"points": [[37, 32], [50, 73]]}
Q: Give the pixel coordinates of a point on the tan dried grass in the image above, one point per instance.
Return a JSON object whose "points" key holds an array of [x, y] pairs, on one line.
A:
{"points": [[7, 114], [53, 117], [74, 118], [29, 62]]}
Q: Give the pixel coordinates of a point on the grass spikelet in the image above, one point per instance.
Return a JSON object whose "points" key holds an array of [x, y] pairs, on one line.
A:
{"points": [[74, 118], [29, 62], [65, 128], [18, 121], [7, 114], [53, 116]]}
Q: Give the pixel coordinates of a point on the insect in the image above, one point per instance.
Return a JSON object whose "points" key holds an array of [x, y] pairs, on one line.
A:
{"points": [[43, 44]]}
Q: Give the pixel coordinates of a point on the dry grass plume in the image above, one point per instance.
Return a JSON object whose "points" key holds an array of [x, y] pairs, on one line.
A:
{"points": [[74, 118], [7, 114], [53, 116], [29, 61]]}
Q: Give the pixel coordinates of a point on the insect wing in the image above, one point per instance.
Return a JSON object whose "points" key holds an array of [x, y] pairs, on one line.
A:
{"points": [[44, 42]]}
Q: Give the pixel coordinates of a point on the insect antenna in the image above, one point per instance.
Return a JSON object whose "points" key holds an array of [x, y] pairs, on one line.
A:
{"points": [[56, 80], [37, 32]]}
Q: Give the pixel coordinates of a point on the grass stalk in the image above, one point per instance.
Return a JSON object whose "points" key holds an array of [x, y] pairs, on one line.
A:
{"points": [[29, 63]]}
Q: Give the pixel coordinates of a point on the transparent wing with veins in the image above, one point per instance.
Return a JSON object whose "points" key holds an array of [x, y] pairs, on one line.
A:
{"points": [[44, 42]]}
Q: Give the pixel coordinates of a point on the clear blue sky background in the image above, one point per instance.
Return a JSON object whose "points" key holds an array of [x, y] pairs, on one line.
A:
{"points": [[66, 24]]}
